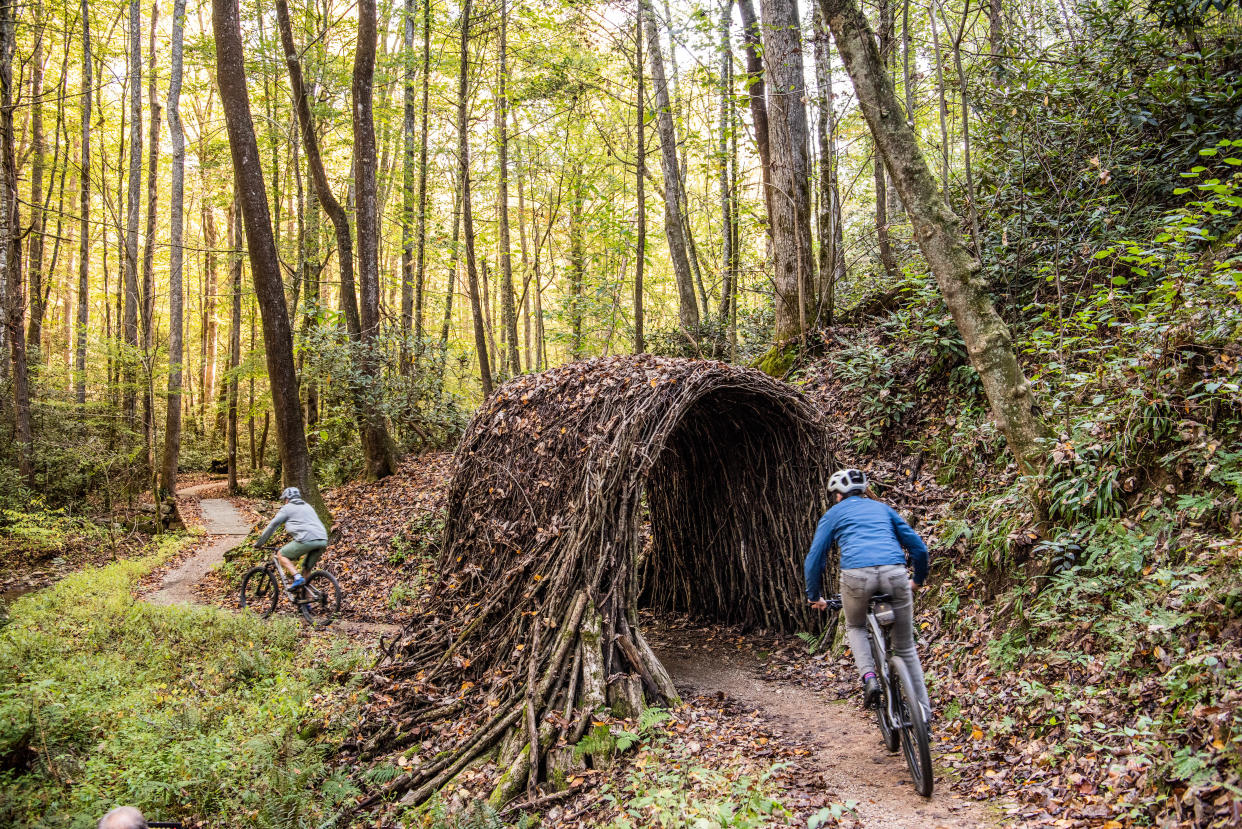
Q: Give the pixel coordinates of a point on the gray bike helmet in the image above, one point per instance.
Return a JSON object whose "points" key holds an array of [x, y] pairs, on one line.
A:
{"points": [[291, 494], [848, 482]]}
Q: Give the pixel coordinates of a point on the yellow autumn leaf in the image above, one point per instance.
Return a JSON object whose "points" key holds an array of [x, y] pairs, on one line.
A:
{"points": [[975, 733]]}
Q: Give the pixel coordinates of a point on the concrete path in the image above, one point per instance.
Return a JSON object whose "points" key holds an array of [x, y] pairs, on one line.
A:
{"points": [[226, 527]]}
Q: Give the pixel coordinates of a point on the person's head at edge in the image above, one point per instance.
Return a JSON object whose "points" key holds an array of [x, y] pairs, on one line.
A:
{"points": [[123, 817]]}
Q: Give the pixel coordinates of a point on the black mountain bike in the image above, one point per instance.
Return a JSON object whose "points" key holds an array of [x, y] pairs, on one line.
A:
{"points": [[900, 715], [319, 600]]}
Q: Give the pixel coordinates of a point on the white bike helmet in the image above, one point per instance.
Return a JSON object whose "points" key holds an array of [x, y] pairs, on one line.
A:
{"points": [[848, 482], [293, 493]]}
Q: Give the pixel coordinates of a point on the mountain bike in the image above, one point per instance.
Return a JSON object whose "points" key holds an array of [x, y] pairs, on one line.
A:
{"points": [[899, 714], [319, 600]]}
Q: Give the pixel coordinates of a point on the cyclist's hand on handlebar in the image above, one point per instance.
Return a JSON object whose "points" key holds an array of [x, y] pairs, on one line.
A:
{"points": [[914, 586], [820, 604]]}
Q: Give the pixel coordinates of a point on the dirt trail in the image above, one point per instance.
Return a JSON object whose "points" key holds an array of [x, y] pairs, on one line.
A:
{"points": [[847, 744], [226, 528]]}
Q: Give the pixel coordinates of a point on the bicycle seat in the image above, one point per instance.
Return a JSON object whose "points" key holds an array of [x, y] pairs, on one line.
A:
{"points": [[880, 597]]}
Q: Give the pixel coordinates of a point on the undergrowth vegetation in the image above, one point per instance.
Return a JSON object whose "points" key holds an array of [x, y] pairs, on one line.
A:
{"points": [[189, 713]]}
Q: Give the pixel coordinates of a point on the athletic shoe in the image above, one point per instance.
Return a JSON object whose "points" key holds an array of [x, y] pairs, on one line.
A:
{"points": [[871, 692], [298, 582]]}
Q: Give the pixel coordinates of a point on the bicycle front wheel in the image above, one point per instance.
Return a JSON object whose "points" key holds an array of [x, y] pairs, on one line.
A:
{"points": [[259, 591], [321, 598], [915, 742]]}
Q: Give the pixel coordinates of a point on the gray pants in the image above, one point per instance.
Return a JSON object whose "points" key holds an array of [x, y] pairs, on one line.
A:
{"points": [[858, 585]]}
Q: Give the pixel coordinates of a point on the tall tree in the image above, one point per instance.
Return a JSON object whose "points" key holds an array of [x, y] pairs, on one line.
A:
{"points": [[508, 310], [84, 227], [38, 149], [688, 305], [176, 207], [133, 206], [407, 191], [752, 44], [264, 264], [377, 445], [728, 261], [640, 243], [826, 221], [790, 202], [988, 340], [10, 228], [148, 254], [887, 260], [463, 170], [421, 264], [235, 288]]}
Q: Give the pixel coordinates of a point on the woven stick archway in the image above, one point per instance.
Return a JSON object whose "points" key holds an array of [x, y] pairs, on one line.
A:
{"points": [[533, 621]]}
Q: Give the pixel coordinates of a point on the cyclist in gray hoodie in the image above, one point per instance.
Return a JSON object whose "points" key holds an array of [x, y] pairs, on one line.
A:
{"points": [[310, 538]]}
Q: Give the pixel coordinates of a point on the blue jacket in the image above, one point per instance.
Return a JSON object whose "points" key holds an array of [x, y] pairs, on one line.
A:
{"points": [[869, 533]]}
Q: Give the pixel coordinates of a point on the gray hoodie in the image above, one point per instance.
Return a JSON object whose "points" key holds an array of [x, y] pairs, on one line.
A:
{"points": [[300, 520]]}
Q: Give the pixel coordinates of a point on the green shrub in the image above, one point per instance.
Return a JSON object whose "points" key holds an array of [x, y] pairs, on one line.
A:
{"points": [[185, 712]]}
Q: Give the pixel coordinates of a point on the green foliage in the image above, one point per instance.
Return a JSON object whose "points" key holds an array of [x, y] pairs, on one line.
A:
{"points": [[187, 713], [670, 796]]}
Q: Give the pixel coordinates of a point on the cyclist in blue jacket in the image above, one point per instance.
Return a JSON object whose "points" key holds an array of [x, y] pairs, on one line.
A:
{"points": [[874, 541]]}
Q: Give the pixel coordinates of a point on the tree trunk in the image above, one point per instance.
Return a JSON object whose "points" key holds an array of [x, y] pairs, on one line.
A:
{"points": [[988, 340], [235, 282], [727, 259], [310, 143], [943, 108], [507, 305], [688, 305], [826, 133], [377, 445], [576, 268], [790, 202], [407, 192], [463, 161], [84, 240], [10, 223], [640, 244], [454, 264], [38, 148], [887, 261], [148, 254], [265, 266], [133, 206], [176, 206], [752, 44], [421, 266]]}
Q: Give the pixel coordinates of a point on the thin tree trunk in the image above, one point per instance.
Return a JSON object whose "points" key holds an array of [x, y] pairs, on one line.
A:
{"points": [[38, 148], [944, 107], [133, 206], [310, 143], [971, 206], [377, 445], [525, 263], [688, 306], [576, 267], [507, 307], [148, 255], [84, 240], [726, 198], [265, 266], [210, 323], [755, 86], [790, 203], [640, 244], [887, 260], [235, 283], [176, 207], [10, 224], [987, 338], [454, 264], [463, 160], [421, 266], [825, 224], [407, 191]]}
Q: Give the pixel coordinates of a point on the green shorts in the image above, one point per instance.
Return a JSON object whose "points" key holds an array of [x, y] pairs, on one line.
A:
{"points": [[313, 550]]}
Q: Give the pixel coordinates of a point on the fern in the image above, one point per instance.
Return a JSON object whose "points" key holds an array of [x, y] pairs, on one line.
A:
{"points": [[381, 774], [650, 718], [810, 640]]}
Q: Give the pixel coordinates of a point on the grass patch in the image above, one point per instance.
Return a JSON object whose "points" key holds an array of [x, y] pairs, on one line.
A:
{"points": [[189, 713]]}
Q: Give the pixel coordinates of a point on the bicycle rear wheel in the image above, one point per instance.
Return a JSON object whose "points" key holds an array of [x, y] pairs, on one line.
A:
{"points": [[915, 742], [259, 591], [320, 598]]}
